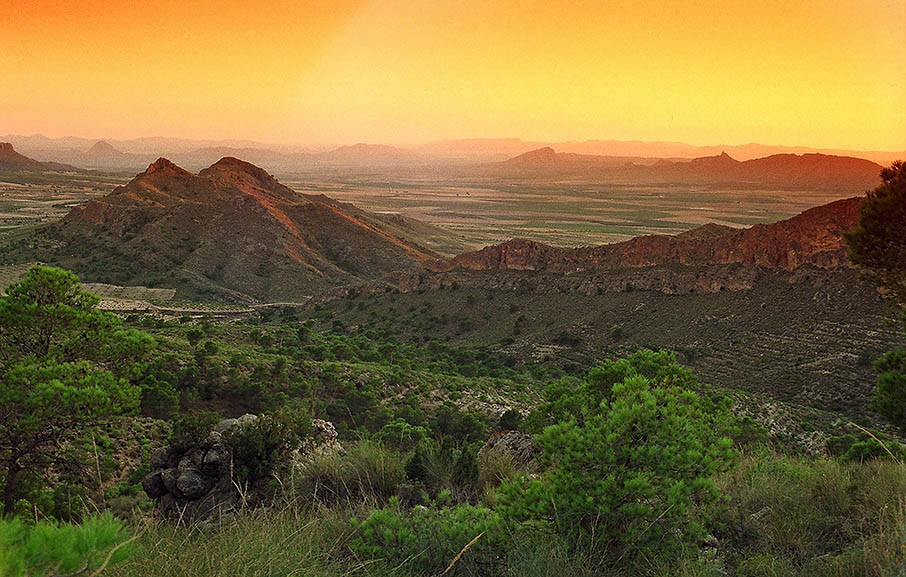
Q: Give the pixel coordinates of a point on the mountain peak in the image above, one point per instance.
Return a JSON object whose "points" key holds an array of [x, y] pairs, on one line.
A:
{"points": [[10, 159], [162, 165], [103, 148], [542, 155], [244, 175]]}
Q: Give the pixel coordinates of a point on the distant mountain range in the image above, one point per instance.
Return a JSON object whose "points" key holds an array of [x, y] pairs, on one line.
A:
{"points": [[489, 149], [813, 237], [132, 155], [811, 170], [231, 229]]}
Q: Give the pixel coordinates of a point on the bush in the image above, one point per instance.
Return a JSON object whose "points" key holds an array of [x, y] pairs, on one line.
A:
{"points": [[425, 541], [401, 435], [190, 430], [818, 517], [495, 468], [629, 464], [890, 393], [261, 447], [48, 548], [510, 420]]}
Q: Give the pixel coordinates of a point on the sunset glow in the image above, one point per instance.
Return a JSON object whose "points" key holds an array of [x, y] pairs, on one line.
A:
{"points": [[828, 73]]}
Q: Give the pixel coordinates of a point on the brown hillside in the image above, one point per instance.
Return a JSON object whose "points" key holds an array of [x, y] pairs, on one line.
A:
{"points": [[813, 237], [234, 226]]}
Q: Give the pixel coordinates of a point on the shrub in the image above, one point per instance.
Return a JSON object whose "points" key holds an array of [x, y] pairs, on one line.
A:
{"points": [[495, 468], [819, 517], [629, 464], [262, 447], [369, 471], [48, 548], [890, 393], [401, 435], [190, 430], [425, 541], [510, 420]]}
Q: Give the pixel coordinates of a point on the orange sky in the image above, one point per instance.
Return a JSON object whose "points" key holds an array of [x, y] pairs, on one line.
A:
{"points": [[828, 73]]}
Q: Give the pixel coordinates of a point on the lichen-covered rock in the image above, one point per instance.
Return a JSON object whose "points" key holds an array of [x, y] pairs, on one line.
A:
{"points": [[517, 446], [197, 483], [192, 484], [154, 485]]}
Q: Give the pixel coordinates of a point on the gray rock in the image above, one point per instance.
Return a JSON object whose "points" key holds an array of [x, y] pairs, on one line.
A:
{"points": [[215, 460], [197, 484], [213, 438], [154, 485], [191, 460], [225, 425], [168, 478], [517, 446], [191, 484], [159, 458]]}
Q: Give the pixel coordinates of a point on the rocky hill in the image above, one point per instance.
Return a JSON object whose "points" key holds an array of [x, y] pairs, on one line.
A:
{"points": [[12, 161], [787, 171], [231, 227], [813, 237], [806, 170]]}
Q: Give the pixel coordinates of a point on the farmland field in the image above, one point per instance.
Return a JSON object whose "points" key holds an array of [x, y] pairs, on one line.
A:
{"points": [[23, 202], [489, 211]]}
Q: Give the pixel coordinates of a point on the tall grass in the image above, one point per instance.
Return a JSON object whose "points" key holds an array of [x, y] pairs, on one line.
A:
{"points": [[262, 543], [818, 518], [783, 517], [369, 472]]}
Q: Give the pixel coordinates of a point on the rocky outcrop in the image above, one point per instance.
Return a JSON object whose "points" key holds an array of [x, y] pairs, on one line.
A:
{"points": [[197, 483], [512, 445], [814, 237]]}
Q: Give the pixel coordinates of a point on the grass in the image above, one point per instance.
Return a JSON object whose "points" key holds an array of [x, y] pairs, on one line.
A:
{"points": [[817, 518], [367, 472], [784, 516]]}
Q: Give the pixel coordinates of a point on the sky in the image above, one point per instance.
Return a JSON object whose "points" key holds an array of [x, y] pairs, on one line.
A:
{"points": [[822, 73]]}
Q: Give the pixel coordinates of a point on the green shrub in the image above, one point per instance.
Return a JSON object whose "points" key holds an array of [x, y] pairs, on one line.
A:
{"points": [[818, 517], [48, 548], [261, 447], [495, 468], [190, 429], [890, 393], [510, 420], [401, 435], [425, 541], [629, 465]]}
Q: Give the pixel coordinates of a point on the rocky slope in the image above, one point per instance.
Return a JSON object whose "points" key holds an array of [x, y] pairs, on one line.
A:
{"points": [[12, 161], [813, 237], [233, 226]]}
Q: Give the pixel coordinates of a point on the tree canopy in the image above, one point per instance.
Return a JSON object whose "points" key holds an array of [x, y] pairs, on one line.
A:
{"points": [[64, 366], [879, 242]]}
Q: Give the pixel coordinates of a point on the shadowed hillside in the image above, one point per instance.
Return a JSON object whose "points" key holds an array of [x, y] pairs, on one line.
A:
{"points": [[231, 228]]}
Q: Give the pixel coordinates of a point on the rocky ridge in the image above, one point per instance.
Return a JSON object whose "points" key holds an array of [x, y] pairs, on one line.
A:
{"points": [[814, 237]]}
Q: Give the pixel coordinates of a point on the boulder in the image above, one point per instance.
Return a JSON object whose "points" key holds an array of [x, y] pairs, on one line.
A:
{"points": [[192, 484], [518, 446], [196, 484]]}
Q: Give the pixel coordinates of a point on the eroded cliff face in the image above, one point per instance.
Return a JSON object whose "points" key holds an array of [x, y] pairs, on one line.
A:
{"points": [[814, 237]]}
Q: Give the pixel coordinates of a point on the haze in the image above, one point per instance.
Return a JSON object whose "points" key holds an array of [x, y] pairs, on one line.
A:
{"points": [[814, 73]]}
